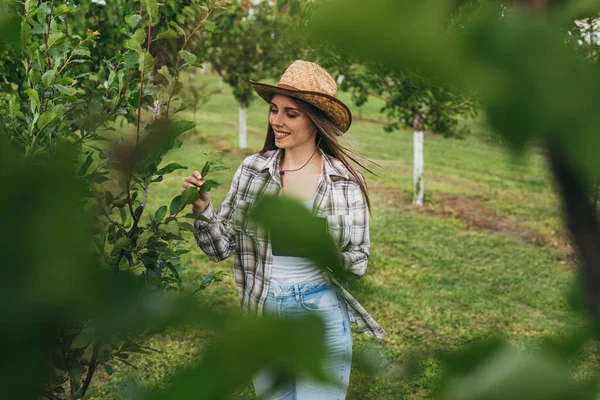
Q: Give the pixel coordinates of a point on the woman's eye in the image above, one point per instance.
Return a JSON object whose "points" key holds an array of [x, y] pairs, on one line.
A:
{"points": [[273, 111], [292, 116]]}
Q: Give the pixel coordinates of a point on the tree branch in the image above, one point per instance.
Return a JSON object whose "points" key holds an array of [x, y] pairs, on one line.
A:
{"points": [[91, 369]]}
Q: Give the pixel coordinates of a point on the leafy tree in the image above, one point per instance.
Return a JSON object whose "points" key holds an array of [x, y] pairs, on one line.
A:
{"points": [[54, 109], [251, 41], [410, 101]]}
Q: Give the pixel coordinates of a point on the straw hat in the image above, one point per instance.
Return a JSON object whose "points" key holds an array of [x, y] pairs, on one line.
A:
{"points": [[309, 82]]}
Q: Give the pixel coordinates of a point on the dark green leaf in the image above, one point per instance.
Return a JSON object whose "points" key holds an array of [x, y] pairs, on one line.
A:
{"points": [[82, 340], [190, 195], [86, 165], [170, 168], [196, 216], [108, 369], [205, 169], [208, 185], [160, 213], [168, 34], [176, 204], [143, 238]]}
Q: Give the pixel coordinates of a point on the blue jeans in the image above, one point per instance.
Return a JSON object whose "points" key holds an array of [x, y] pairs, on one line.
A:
{"points": [[318, 298]]}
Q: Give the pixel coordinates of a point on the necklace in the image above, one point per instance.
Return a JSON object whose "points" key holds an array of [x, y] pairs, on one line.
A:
{"points": [[282, 172]]}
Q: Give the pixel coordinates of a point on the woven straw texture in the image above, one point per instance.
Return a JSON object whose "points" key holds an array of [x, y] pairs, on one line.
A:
{"points": [[309, 82]]}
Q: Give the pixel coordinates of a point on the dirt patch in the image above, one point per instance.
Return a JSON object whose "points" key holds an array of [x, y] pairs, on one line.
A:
{"points": [[478, 217]]}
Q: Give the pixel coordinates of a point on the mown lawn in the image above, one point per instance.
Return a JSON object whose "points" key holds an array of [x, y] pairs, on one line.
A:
{"points": [[485, 257]]}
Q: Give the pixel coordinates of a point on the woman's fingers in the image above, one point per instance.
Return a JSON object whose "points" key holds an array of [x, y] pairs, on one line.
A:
{"points": [[193, 180]]}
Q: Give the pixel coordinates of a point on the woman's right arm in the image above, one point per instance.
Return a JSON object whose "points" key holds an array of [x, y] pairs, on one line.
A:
{"points": [[215, 236]]}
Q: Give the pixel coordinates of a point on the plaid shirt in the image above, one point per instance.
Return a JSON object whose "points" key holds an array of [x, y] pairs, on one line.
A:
{"points": [[339, 200]]}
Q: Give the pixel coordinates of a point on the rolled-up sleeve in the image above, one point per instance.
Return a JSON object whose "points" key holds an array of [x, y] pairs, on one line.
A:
{"points": [[214, 236]]}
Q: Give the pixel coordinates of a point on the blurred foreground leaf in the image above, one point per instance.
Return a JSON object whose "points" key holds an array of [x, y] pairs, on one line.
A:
{"points": [[243, 348], [308, 236], [530, 82]]}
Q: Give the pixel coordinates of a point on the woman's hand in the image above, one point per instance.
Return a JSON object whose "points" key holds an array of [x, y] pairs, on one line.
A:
{"points": [[196, 180]]}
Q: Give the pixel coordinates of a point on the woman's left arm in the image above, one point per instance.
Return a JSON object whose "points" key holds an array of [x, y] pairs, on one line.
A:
{"points": [[356, 254]]}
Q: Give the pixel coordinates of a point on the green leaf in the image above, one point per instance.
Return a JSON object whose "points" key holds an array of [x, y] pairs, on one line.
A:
{"points": [[47, 119], [175, 205], [209, 25], [172, 227], [30, 6], [208, 185], [130, 58], [135, 46], [55, 38], [139, 36], [146, 62], [82, 340], [188, 57], [186, 226], [82, 51], [120, 244], [62, 9], [160, 213], [196, 216], [86, 164], [34, 98], [190, 195], [76, 372], [144, 237], [48, 77], [133, 20], [170, 168], [14, 107], [152, 10], [108, 369], [205, 169], [178, 28], [164, 71], [168, 34]]}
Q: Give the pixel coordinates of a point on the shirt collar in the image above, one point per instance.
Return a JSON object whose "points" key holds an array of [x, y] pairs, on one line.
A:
{"points": [[331, 166]]}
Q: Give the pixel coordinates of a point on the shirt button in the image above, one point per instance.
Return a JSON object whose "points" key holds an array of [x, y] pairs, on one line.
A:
{"points": [[278, 290]]}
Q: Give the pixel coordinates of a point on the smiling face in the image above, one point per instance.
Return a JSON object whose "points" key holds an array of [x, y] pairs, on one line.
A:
{"points": [[292, 127]]}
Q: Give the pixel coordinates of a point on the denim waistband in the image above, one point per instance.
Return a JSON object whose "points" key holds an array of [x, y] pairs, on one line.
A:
{"points": [[301, 288]]}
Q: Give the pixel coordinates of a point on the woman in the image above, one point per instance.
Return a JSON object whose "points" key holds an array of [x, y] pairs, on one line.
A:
{"points": [[302, 158]]}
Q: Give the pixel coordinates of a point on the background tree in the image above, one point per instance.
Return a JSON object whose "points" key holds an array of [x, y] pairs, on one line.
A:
{"points": [[411, 101], [56, 107], [251, 41]]}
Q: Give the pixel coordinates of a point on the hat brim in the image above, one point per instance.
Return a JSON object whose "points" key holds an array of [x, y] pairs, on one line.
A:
{"points": [[335, 109]]}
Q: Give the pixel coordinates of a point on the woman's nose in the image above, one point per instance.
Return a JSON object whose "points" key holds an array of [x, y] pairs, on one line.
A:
{"points": [[276, 120]]}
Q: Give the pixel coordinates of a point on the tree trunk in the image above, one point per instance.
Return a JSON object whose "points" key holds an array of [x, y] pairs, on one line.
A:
{"points": [[242, 122], [582, 221], [418, 180]]}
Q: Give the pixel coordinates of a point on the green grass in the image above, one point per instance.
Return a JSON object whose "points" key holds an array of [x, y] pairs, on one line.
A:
{"points": [[461, 268]]}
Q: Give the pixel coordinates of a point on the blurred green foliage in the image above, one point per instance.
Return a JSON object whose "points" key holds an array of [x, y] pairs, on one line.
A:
{"points": [[528, 79], [87, 275], [518, 59]]}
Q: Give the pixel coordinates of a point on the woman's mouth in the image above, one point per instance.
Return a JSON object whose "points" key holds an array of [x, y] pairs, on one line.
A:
{"points": [[281, 135]]}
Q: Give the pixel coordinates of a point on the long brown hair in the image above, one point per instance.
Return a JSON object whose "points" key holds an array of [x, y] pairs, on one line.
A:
{"points": [[329, 139]]}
